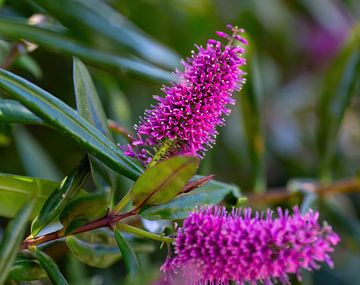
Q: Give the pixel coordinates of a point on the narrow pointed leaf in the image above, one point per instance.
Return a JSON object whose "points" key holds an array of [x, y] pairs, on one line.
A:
{"points": [[93, 16], [210, 194], [63, 118], [61, 43], [99, 249], [163, 181], [26, 268], [15, 191], [11, 240], [67, 190], [90, 108], [131, 262], [51, 268]]}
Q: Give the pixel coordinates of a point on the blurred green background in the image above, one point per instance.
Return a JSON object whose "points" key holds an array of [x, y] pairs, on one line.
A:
{"points": [[297, 117]]}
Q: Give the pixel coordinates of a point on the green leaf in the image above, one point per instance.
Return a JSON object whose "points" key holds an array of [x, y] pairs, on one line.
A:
{"points": [[179, 208], [132, 264], [89, 107], [99, 249], [252, 121], [338, 89], [163, 181], [13, 112], [61, 43], [82, 210], [51, 268], [26, 268], [11, 240], [36, 161], [15, 191], [92, 17], [65, 119], [67, 190]]}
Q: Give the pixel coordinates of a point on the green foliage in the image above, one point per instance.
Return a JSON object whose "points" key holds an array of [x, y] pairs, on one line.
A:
{"points": [[82, 210], [26, 268], [99, 248], [17, 190], [60, 42], [57, 201], [296, 125], [163, 181], [66, 120], [51, 268], [131, 262], [338, 88], [210, 194], [89, 106], [11, 240]]}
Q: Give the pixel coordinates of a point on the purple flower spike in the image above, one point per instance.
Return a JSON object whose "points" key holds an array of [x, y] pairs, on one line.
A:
{"points": [[193, 108], [214, 247]]}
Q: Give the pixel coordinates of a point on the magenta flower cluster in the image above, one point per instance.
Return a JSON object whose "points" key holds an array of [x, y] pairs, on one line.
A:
{"points": [[214, 247], [194, 106]]}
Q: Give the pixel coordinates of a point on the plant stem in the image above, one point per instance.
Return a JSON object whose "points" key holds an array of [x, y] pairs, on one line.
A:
{"points": [[107, 221], [142, 233]]}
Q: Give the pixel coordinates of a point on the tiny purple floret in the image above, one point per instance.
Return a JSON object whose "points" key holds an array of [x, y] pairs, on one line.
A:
{"points": [[214, 247], [193, 107]]}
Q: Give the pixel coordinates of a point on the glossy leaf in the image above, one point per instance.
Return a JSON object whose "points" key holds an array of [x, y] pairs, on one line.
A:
{"points": [[11, 240], [36, 161], [82, 210], [99, 249], [89, 107], [26, 268], [67, 190], [163, 181], [51, 268], [61, 43], [65, 119], [93, 16], [210, 194], [13, 112], [131, 262], [15, 191], [338, 89]]}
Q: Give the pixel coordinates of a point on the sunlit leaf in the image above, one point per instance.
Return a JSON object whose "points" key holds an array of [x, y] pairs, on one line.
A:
{"points": [[163, 181], [16, 190], [210, 194]]}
